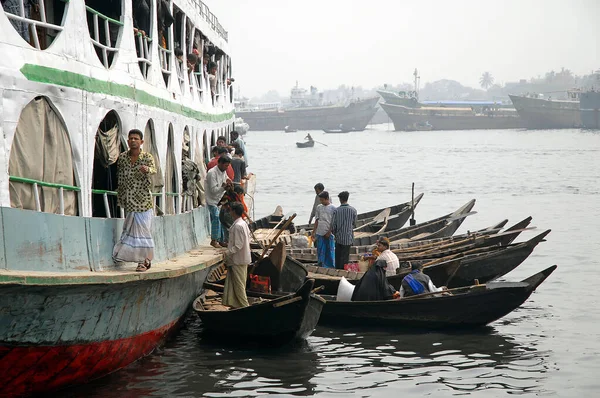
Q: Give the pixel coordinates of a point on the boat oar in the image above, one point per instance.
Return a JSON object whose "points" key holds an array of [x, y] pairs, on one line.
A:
{"points": [[283, 219], [320, 143], [284, 227], [442, 291]]}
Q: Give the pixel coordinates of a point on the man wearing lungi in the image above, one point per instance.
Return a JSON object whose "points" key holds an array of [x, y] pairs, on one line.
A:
{"points": [[134, 168], [237, 258]]}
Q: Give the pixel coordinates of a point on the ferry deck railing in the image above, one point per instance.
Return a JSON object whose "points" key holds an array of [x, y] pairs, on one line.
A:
{"points": [[143, 50], [106, 47], [188, 203], [43, 23], [164, 56]]}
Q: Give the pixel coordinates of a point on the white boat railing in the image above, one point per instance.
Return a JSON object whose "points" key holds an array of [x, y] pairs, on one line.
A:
{"points": [[33, 24], [143, 52], [104, 44]]}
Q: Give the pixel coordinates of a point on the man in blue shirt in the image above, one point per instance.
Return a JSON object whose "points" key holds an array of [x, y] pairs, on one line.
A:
{"points": [[343, 224]]}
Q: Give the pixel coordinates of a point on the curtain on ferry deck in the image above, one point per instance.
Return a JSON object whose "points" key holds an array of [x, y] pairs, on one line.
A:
{"points": [[150, 146], [107, 146], [199, 160], [41, 151]]}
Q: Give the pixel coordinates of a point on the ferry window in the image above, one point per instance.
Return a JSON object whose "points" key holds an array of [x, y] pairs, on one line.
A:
{"points": [[109, 144], [41, 157], [38, 22], [171, 182], [164, 24], [104, 20], [157, 179], [142, 28]]}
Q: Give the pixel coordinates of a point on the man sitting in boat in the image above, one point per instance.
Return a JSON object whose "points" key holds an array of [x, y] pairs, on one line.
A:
{"points": [[417, 283], [374, 286], [390, 258], [308, 138]]}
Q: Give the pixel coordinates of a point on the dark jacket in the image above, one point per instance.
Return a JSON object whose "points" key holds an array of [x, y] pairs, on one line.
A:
{"points": [[373, 286], [418, 277]]}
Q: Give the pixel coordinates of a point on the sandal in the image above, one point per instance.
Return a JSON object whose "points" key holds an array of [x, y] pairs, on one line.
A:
{"points": [[145, 266], [141, 267]]}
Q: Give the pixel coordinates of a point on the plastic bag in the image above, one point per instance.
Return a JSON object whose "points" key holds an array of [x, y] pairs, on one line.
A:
{"points": [[345, 290]]}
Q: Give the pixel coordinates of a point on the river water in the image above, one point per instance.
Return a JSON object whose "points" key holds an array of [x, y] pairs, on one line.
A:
{"points": [[550, 346]]}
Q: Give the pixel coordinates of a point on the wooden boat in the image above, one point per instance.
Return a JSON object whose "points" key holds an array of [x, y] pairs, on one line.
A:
{"points": [[470, 306], [436, 228], [489, 263], [398, 216], [483, 264], [329, 278], [307, 144], [277, 321], [337, 131], [444, 226], [467, 307]]}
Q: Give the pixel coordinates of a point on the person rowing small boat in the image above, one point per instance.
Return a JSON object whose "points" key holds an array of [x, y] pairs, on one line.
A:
{"points": [[308, 138]]}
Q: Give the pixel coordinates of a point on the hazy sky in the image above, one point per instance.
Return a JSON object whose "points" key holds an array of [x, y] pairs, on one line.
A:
{"points": [[327, 43]]}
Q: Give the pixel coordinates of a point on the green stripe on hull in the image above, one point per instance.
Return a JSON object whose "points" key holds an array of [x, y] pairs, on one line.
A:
{"points": [[43, 74]]}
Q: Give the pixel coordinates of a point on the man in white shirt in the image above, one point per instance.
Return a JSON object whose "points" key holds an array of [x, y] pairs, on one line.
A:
{"points": [[383, 247], [216, 181], [325, 240], [237, 258]]}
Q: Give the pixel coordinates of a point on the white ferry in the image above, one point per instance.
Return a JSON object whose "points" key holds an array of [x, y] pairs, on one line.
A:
{"points": [[75, 77]]}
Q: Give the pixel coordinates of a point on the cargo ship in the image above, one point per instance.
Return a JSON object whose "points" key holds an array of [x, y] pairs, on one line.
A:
{"points": [[543, 113], [306, 111], [76, 77], [446, 118]]}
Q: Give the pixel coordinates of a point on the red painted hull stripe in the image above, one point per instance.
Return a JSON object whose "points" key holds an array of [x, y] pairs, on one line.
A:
{"points": [[26, 370]]}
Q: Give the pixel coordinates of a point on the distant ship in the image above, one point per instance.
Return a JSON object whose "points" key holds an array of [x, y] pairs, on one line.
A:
{"points": [[407, 112], [541, 113], [445, 118], [307, 112], [589, 104]]}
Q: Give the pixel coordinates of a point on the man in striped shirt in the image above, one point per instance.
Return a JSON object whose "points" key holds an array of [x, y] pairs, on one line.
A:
{"points": [[343, 224]]}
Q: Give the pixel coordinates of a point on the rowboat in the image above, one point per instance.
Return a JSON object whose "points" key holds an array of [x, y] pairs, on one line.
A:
{"points": [[483, 264], [440, 274], [275, 322], [440, 227], [398, 216], [433, 248], [337, 131], [467, 307], [307, 144], [436, 228]]}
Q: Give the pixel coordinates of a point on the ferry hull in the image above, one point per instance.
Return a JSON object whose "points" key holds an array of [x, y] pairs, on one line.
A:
{"points": [[590, 109], [354, 116], [55, 336], [540, 113], [402, 117]]}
